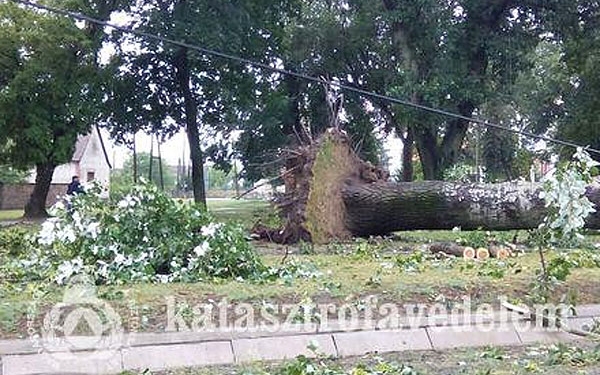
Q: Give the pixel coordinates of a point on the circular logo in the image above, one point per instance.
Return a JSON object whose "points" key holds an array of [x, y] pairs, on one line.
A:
{"points": [[81, 326]]}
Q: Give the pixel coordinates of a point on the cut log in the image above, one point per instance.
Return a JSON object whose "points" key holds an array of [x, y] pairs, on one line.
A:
{"points": [[499, 252], [482, 253], [332, 195], [448, 248], [452, 249], [469, 253]]}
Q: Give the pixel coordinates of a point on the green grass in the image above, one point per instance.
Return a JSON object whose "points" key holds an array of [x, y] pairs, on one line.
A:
{"points": [[8, 215], [242, 211], [243, 205], [352, 277], [347, 279]]}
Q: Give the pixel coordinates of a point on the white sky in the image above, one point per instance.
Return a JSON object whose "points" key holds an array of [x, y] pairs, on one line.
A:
{"points": [[393, 148], [177, 147], [172, 150]]}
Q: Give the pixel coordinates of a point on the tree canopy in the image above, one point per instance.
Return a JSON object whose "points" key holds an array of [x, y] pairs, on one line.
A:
{"points": [[46, 82], [527, 65]]}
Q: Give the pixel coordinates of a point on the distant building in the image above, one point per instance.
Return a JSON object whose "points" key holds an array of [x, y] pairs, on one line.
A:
{"points": [[90, 162]]}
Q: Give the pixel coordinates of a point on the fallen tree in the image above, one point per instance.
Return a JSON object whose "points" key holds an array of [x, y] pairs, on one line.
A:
{"points": [[332, 194]]}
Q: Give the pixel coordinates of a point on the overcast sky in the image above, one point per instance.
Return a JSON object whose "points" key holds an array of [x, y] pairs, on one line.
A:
{"points": [[172, 150], [177, 147]]}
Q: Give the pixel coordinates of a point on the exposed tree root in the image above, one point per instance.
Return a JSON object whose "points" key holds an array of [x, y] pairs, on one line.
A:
{"points": [[312, 207]]}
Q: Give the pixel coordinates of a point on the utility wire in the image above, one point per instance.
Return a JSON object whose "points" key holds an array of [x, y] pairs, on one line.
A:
{"points": [[306, 77]]}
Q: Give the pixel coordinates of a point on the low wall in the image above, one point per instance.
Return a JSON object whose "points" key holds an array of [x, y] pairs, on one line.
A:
{"points": [[14, 197]]}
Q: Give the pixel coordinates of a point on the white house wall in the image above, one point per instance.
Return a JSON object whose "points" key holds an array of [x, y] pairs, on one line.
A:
{"points": [[64, 173], [93, 160]]}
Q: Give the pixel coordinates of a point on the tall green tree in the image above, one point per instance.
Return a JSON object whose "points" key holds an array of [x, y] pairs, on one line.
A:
{"points": [[49, 80], [291, 111], [579, 31], [560, 95], [449, 55], [45, 83], [457, 56], [162, 88]]}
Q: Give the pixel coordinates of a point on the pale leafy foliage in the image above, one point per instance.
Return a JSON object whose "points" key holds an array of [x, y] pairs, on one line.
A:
{"points": [[564, 195], [143, 236], [568, 207]]}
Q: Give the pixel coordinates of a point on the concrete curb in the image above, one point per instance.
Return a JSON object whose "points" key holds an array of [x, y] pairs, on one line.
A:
{"points": [[188, 349]]}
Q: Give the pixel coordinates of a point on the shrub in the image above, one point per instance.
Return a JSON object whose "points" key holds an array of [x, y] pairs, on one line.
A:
{"points": [[15, 241], [568, 206], [143, 235]]}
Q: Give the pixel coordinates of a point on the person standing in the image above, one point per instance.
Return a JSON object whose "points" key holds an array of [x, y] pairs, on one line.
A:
{"points": [[75, 187]]}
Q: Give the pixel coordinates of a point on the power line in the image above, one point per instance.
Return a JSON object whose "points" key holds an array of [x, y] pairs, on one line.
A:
{"points": [[306, 77]]}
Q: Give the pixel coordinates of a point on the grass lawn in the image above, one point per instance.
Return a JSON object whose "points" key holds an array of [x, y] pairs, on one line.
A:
{"points": [[245, 212], [346, 274], [8, 215]]}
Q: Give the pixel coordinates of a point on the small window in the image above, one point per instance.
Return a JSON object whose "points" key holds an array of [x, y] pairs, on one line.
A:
{"points": [[91, 176]]}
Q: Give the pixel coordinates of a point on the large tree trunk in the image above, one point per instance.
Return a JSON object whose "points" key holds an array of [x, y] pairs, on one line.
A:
{"points": [[191, 116], [426, 143], [383, 207], [36, 206], [332, 195]]}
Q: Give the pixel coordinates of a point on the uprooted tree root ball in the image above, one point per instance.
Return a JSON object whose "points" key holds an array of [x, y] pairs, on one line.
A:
{"points": [[312, 206]]}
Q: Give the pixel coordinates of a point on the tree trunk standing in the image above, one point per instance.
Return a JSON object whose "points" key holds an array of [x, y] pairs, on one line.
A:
{"points": [[191, 116], [135, 166], [402, 44], [160, 166], [236, 181], [151, 159], [426, 142], [36, 206], [407, 156], [456, 132]]}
